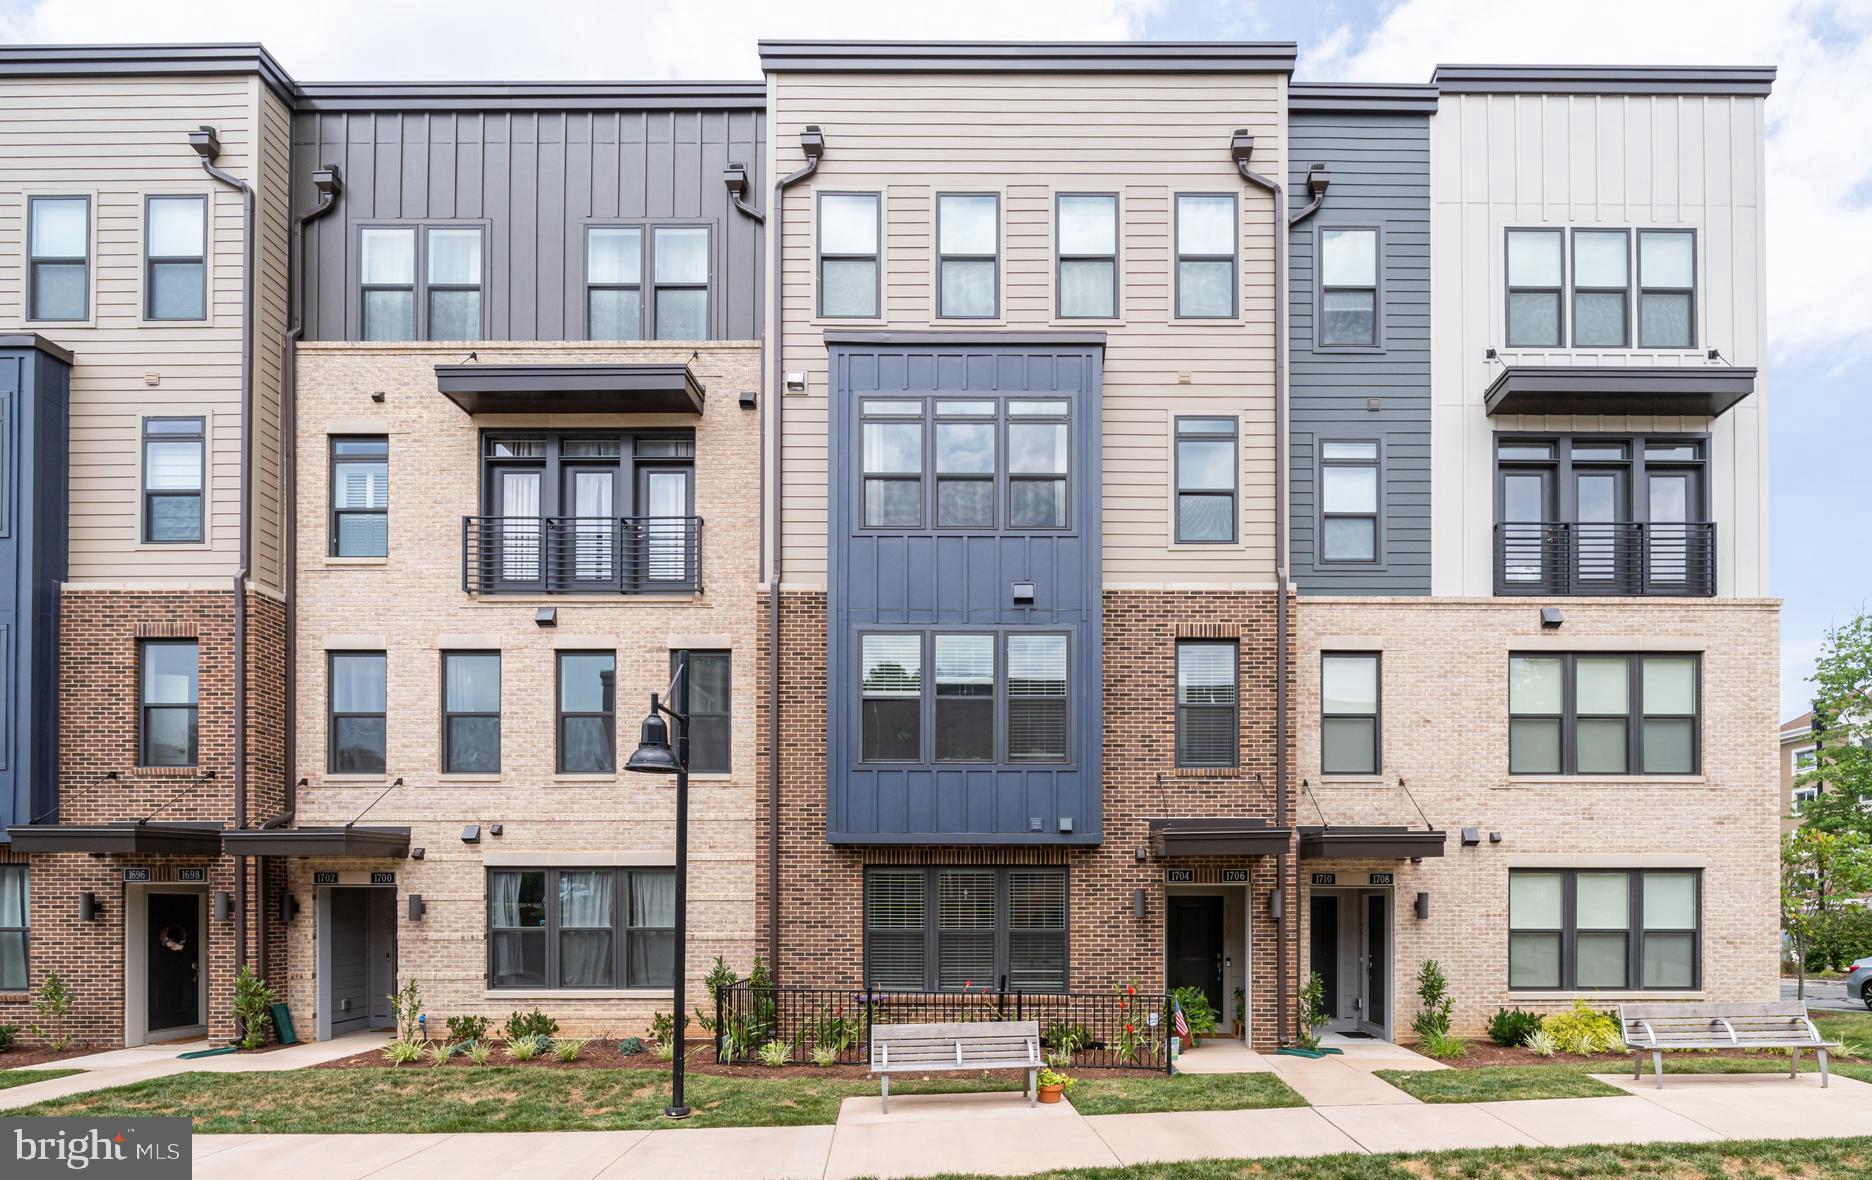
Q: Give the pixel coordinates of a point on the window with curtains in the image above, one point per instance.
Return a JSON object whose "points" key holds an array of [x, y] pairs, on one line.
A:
{"points": [[1599, 929], [387, 270], [1086, 238], [175, 258], [1594, 713], [1205, 256], [581, 928], [1348, 301], [849, 231], [170, 702], [711, 712], [1349, 713], [58, 258], [173, 462], [1207, 703], [946, 929], [360, 496], [587, 691], [356, 712], [1205, 480], [471, 712], [968, 255], [1024, 676], [15, 927]]}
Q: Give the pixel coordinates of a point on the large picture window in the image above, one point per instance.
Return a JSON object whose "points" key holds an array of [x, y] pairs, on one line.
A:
{"points": [[992, 463], [577, 928], [171, 700], [976, 928], [356, 716], [1604, 930], [1207, 703], [15, 927], [1586, 714], [1349, 728]]}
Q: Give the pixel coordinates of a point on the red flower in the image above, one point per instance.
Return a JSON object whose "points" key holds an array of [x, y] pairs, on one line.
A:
{"points": [[1130, 1028], [1130, 989]]}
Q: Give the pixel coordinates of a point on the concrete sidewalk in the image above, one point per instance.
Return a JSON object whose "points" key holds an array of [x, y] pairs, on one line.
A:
{"points": [[120, 1067], [999, 1134]]}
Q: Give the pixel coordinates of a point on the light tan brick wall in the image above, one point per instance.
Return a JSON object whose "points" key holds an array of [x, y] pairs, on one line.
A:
{"points": [[1445, 734], [413, 604]]}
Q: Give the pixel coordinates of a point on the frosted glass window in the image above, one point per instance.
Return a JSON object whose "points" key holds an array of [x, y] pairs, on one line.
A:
{"points": [[175, 258]]}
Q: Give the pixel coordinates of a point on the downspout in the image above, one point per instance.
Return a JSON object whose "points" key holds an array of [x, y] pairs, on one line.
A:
{"points": [[812, 143], [208, 146], [1241, 147]]}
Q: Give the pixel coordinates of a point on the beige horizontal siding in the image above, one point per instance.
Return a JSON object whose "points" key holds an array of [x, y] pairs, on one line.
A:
{"points": [[1030, 138]]}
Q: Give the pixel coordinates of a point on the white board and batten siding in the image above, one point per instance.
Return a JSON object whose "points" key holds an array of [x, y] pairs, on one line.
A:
{"points": [[1584, 161], [1030, 137], [118, 140]]}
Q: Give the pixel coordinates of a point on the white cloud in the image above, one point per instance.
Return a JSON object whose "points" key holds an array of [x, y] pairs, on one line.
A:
{"points": [[1819, 118]]}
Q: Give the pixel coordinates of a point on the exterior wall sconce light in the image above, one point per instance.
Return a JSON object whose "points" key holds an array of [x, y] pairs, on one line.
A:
{"points": [[88, 907], [417, 853], [1277, 901], [1551, 618], [223, 905], [471, 834], [796, 383], [749, 399], [289, 907], [1023, 593], [1137, 903], [416, 907], [1494, 837], [1471, 837], [494, 829], [378, 397], [546, 616], [1141, 854], [1423, 906]]}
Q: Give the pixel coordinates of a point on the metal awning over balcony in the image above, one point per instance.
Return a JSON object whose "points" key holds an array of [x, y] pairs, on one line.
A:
{"points": [[129, 837], [1324, 842], [1212, 836], [571, 389], [347, 841], [1700, 391]]}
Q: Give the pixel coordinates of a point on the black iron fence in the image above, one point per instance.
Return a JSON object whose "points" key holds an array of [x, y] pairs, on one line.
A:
{"points": [[1116, 1029], [581, 554], [1615, 560]]}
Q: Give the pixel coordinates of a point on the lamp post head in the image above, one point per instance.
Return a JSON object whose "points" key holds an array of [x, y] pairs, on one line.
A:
{"points": [[654, 755]]}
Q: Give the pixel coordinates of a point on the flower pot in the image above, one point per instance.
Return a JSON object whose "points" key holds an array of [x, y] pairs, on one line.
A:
{"points": [[1051, 1093]]}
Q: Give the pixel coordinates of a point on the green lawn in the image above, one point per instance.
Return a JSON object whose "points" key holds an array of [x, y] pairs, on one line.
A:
{"points": [[456, 1099], [1854, 1028], [26, 1077], [1738, 1160], [1497, 1083]]}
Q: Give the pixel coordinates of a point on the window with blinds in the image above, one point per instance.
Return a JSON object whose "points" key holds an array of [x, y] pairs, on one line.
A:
{"points": [[1036, 696], [360, 496], [974, 928], [1206, 704]]}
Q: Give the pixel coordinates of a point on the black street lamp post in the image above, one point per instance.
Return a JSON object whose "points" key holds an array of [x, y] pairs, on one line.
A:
{"points": [[654, 756]]}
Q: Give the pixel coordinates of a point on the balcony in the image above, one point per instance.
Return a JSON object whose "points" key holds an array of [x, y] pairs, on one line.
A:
{"points": [[581, 554], [1627, 559]]}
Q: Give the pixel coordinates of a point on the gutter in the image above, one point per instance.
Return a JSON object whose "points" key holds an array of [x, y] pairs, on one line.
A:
{"points": [[812, 143], [1242, 147], [208, 146]]}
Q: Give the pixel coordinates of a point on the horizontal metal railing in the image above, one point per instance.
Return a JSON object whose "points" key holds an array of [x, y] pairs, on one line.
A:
{"points": [[1613, 560], [1105, 1030], [581, 554]]}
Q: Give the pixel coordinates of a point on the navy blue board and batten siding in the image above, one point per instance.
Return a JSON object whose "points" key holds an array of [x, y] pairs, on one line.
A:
{"points": [[1377, 148], [927, 579], [535, 172], [35, 381]]}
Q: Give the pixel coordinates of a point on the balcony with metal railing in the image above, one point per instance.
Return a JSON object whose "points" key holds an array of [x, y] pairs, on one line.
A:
{"points": [[581, 554], [1624, 559]]}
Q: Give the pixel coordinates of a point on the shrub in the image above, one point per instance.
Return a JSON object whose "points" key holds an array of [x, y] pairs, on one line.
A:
{"points": [[9, 1033], [402, 1052], [1433, 998], [663, 1028], [406, 1007], [438, 1053], [1312, 1011], [1067, 1038], [666, 1051], [568, 1049], [837, 1032], [253, 1008], [824, 1055], [1196, 1010], [479, 1052], [468, 1028], [776, 1053], [631, 1046], [53, 1004], [1511, 1026], [531, 1024], [1444, 1047], [1050, 1077], [1582, 1031], [1540, 1042], [524, 1049]]}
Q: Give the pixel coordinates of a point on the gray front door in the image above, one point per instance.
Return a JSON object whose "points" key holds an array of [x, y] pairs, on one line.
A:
{"points": [[362, 971]]}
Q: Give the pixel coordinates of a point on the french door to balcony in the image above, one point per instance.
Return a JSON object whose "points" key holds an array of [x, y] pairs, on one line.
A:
{"points": [[591, 494], [1601, 504], [1527, 507], [1675, 549], [665, 498], [522, 527]]}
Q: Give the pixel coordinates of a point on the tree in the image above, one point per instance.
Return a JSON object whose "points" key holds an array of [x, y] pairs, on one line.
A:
{"points": [[1821, 872], [1842, 704]]}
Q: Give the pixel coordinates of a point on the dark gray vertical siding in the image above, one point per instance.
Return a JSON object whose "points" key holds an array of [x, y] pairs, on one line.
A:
{"points": [[956, 580], [536, 178], [1380, 166]]}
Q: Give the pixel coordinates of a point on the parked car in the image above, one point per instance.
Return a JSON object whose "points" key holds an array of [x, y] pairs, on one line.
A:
{"points": [[1859, 980]]}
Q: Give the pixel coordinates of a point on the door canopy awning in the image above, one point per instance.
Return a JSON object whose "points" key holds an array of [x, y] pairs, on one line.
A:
{"points": [[571, 389], [1224, 836], [129, 837], [1324, 842], [345, 841], [1700, 391]]}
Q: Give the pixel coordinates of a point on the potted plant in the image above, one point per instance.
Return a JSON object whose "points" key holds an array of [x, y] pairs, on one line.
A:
{"points": [[1197, 1013], [1053, 1084], [1239, 1026]]}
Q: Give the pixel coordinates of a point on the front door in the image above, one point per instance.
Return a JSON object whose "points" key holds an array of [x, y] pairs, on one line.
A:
{"points": [[1195, 937], [360, 973], [175, 961], [1375, 951]]}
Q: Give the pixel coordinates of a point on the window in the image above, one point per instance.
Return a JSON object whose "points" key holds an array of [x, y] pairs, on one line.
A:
{"points": [[681, 310], [581, 928], [171, 696], [1802, 795], [893, 464], [968, 249], [1087, 236], [1587, 930], [1349, 689], [614, 282], [1806, 759], [587, 712], [360, 495], [975, 928], [175, 248], [965, 698], [1348, 311], [890, 725], [1036, 698], [357, 712], [172, 480], [1207, 698], [471, 712], [387, 264], [1038, 446], [965, 464], [15, 922], [1601, 288], [1205, 248], [978, 443], [848, 254], [1535, 280], [1666, 288], [1602, 714], [711, 712], [58, 258], [454, 284], [1205, 472], [1348, 501]]}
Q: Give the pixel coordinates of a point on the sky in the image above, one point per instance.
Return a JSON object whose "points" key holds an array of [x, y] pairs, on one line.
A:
{"points": [[1818, 163]]}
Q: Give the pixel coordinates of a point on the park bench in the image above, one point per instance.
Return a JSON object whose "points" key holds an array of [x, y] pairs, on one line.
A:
{"points": [[1653, 1028], [924, 1048]]}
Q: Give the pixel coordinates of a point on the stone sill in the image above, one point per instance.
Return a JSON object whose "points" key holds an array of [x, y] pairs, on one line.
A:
{"points": [[561, 994], [1602, 780], [1595, 999]]}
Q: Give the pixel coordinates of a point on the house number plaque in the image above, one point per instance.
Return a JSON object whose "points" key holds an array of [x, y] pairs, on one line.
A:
{"points": [[324, 878], [1383, 878], [1234, 876], [1325, 878], [1179, 876]]}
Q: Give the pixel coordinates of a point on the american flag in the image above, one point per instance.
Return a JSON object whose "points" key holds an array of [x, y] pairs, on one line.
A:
{"points": [[1182, 1025]]}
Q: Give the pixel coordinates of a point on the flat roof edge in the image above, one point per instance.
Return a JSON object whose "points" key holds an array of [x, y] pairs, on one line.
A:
{"points": [[1745, 81], [1030, 56], [131, 60], [320, 97], [1362, 98]]}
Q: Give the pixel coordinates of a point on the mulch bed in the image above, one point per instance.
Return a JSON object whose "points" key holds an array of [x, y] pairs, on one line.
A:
{"points": [[20, 1055]]}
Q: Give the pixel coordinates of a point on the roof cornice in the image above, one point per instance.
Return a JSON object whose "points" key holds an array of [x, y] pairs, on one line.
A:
{"points": [[1059, 57], [1364, 98], [331, 97], [1744, 81], [54, 61]]}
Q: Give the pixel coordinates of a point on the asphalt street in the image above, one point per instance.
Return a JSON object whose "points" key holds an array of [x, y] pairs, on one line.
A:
{"points": [[1824, 995]]}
